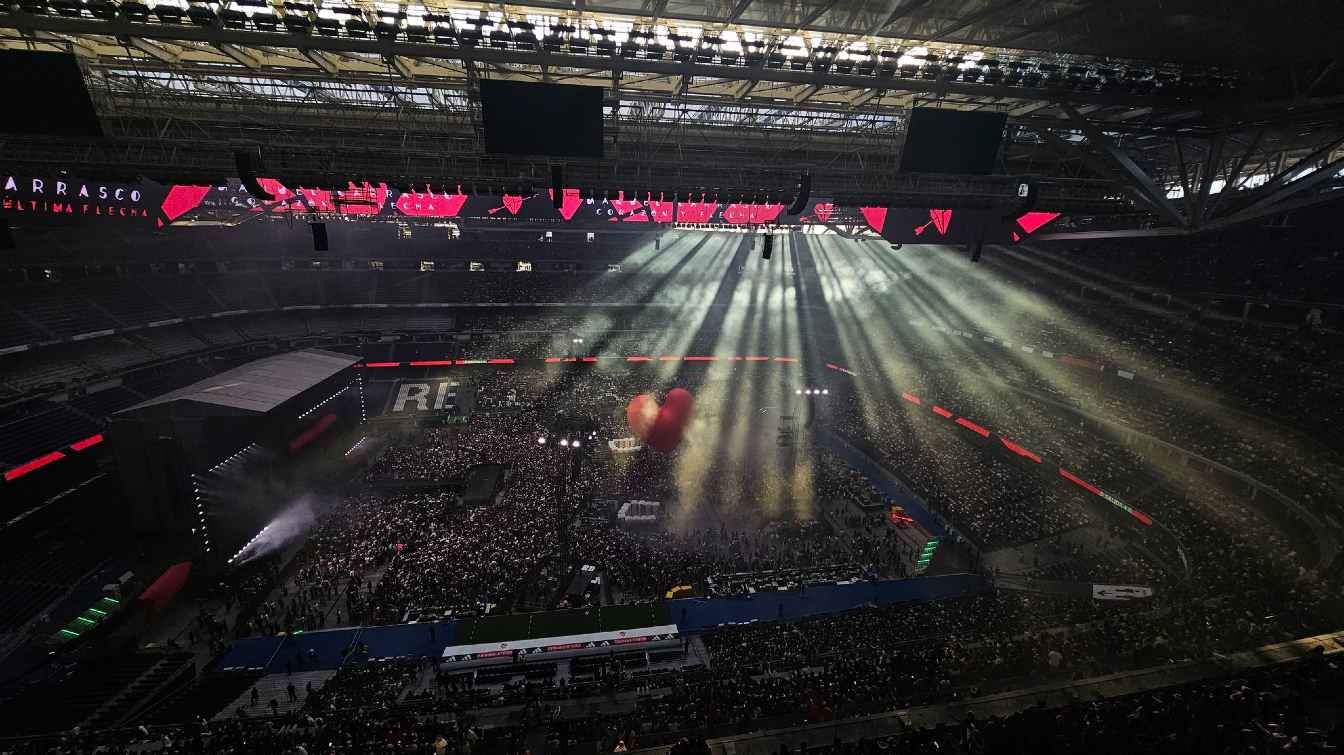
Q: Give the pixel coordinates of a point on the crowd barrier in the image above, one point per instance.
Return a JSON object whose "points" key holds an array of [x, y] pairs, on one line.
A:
{"points": [[327, 649], [699, 614]]}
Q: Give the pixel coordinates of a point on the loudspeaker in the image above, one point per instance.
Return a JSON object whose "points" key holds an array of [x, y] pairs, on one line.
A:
{"points": [[557, 186], [767, 246], [6, 238], [319, 237], [804, 191], [247, 173]]}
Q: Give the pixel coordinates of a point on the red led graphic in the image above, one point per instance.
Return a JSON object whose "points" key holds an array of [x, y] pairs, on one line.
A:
{"points": [[696, 212], [318, 199], [512, 203], [1019, 450], [941, 412], [912, 398], [430, 205], [92, 440], [969, 425], [629, 210], [180, 200], [311, 434], [35, 464], [751, 213], [822, 211], [875, 216], [939, 219], [1033, 220], [662, 211], [1071, 477], [569, 202], [354, 200], [361, 200]]}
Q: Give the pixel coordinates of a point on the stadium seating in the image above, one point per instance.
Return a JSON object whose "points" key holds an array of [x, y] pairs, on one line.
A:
{"points": [[203, 697]]}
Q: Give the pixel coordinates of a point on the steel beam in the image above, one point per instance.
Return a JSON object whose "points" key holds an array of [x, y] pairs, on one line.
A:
{"points": [[1268, 205], [156, 51], [1208, 173], [738, 10], [962, 23], [1231, 182], [896, 12], [322, 60], [239, 55], [1129, 170], [381, 48], [1036, 28], [806, 93], [863, 97], [1287, 174], [1284, 204]]}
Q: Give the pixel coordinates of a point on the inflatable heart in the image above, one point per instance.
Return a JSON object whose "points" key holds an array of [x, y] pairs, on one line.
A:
{"points": [[661, 427]]}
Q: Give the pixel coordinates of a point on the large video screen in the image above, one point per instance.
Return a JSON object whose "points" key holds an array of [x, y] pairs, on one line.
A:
{"points": [[956, 142], [554, 120], [47, 95]]}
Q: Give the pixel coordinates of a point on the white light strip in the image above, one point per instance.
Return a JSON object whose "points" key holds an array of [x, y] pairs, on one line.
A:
{"points": [[324, 402], [355, 447], [235, 457]]}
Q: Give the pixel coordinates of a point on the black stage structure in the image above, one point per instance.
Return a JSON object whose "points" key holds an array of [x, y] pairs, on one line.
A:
{"points": [[213, 462]]}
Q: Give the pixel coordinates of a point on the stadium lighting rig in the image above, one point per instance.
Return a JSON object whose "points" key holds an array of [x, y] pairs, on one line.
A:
{"points": [[634, 40]]}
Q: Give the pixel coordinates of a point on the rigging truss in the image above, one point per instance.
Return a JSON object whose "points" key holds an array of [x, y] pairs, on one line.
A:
{"points": [[733, 93]]}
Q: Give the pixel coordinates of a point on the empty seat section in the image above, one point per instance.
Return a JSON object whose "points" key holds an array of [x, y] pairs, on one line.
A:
{"points": [[60, 311], [126, 302], [36, 434], [181, 294]]}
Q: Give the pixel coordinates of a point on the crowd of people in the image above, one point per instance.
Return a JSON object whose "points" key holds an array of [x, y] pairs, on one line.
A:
{"points": [[1227, 572]]}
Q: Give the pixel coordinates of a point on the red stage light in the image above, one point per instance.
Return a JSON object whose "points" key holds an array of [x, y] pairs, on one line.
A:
{"points": [[92, 440], [969, 425], [35, 464]]}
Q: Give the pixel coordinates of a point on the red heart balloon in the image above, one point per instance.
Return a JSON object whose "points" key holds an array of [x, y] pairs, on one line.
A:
{"points": [[661, 427]]}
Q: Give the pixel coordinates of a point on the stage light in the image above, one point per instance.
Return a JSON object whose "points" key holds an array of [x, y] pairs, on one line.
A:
{"points": [[576, 444], [826, 391], [564, 442], [542, 441], [799, 391]]}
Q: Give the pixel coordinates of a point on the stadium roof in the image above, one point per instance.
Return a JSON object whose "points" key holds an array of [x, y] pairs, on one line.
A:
{"points": [[1156, 105], [259, 386]]}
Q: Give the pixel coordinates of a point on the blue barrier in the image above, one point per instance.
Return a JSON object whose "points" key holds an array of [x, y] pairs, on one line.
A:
{"points": [[699, 614], [409, 640], [252, 653], [313, 651], [277, 654]]}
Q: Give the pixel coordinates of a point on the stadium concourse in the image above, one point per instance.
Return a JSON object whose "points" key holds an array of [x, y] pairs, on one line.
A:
{"points": [[911, 488]]}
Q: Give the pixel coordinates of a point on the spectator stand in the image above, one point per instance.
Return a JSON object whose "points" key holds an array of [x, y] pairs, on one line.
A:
{"points": [[1254, 676], [1279, 508]]}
